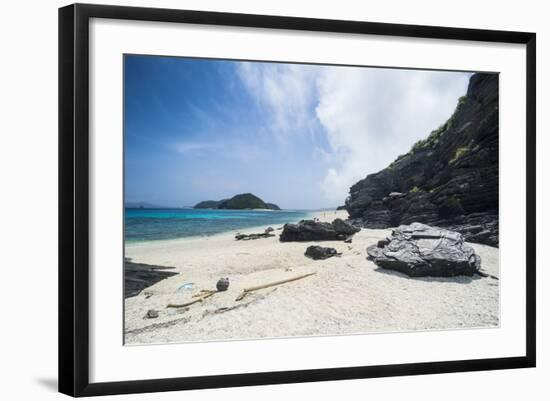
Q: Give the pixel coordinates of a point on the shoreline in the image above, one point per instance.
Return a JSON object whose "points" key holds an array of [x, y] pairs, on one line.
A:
{"points": [[312, 214], [347, 295]]}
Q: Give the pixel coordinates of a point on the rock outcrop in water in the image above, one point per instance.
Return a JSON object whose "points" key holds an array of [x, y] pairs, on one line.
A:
{"points": [[241, 201], [450, 179], [311, 230], [420, 250]]}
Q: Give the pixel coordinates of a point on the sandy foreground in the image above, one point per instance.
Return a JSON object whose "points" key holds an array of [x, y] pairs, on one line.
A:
{"points": [[347, 295]]}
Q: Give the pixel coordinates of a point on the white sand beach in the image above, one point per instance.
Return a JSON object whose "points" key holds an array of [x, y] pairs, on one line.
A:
{"points": [[347, 294]]}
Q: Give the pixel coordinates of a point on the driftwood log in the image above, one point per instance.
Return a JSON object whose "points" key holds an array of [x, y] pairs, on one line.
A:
{"points": [[205, 294], [247, 291]]}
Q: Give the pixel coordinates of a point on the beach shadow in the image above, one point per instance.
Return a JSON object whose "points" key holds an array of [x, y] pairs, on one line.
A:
{"points": [[455, 279], [49, 383]]}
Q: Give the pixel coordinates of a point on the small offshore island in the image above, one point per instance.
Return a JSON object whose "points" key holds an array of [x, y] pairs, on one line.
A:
{"points": [[415, 247], [238, 202]]}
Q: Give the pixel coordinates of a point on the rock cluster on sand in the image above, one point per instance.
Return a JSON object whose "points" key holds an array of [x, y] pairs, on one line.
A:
{"points": [[420, 250], [449, 180], [317, 252], [311, 230]]}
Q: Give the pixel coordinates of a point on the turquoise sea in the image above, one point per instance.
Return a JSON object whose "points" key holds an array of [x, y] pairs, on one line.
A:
{"points": [[163, 224]]}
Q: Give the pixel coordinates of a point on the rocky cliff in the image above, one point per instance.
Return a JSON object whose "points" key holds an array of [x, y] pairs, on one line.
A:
{"points": [[450, 179]]}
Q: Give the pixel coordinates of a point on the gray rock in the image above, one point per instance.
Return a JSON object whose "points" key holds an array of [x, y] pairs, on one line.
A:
{"points": [[421, 250], [247, 237], [222, 284], [138, 276], [152, 314], [269, 229], [449, 179], [311, 230], [342, 227], [317, 252]]}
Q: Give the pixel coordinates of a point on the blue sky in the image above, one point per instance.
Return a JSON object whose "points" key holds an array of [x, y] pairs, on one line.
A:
{"points": [[295, 135]]}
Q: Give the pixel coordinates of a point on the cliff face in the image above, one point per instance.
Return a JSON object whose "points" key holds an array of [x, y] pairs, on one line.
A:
{"points": [[450, 179]]}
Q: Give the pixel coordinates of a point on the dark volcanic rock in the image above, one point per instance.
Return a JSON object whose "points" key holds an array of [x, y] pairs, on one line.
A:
{"points": [[420, 250], [317, 252], [311, 230], [478, 227], [450, 179], [222, 284], [152, 314], [246, 237], [138, 276], [342, 227]]}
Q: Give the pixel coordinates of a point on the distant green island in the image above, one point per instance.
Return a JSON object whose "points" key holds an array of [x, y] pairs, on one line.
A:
{"points": [[241, 201]]}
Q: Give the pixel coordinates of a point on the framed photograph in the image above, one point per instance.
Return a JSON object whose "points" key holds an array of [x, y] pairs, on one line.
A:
{"points": [[251, 199]]}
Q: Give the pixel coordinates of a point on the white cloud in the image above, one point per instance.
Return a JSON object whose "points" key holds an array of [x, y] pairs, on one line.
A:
{"points": [[369, 115], [286, 92], [373, 115]]}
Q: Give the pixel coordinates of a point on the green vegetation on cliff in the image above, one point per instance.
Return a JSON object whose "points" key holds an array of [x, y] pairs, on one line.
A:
{"points": [[209, 204]]}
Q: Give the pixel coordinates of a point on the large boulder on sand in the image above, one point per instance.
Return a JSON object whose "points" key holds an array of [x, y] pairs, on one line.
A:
{"points": [[342, 227], [311, 230], [421, 250]]}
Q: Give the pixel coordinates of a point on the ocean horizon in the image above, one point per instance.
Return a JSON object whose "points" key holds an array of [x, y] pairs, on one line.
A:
{"points": [[154, 224]]}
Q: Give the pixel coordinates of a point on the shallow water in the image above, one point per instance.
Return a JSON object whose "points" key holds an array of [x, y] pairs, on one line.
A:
{"points": [[163, 224]]}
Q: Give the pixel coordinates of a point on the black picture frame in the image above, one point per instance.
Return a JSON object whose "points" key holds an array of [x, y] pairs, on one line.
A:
{"points": [[74, 198]]}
